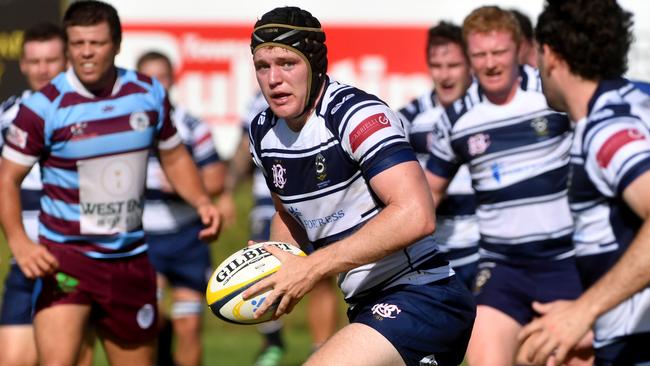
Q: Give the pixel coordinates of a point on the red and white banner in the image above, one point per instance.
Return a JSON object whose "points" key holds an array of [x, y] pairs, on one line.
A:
{"points": [[215, 78]]}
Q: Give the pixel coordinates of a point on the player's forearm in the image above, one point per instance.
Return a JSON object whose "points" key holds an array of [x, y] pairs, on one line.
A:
{"points": [[213, 177], [628, 276], [10, 213], [184, 176], [395, 227], [239, 167], [286, 230]]}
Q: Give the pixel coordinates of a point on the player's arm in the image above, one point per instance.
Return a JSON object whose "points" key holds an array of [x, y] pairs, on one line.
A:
{"points": [[406, 217], [284, 228], [437, 185], [213, 178], [186, 181], [565, 323], [34, 260], [240, 166]]}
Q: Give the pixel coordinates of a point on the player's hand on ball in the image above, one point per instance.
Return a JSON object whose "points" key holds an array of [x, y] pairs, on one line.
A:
{"points": [[289, 284]]}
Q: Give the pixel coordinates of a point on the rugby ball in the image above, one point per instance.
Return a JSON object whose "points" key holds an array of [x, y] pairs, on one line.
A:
{"points": [[236, 274]]}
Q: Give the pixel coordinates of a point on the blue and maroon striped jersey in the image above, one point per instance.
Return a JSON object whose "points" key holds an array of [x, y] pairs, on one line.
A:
{"points": [[93, 155]]}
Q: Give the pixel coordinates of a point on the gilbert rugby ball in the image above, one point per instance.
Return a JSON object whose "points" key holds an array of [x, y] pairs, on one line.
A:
{"points": [[237, 273]]}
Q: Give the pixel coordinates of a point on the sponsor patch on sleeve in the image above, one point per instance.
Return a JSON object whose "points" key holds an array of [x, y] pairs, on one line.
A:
{"points": [[366, 128], [17, 136], [615, 142]]}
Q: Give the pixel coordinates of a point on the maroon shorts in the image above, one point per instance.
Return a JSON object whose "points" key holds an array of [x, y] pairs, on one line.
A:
{"points": [[121, 293]]}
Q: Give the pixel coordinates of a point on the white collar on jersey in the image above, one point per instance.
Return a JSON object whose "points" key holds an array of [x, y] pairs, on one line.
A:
{"points": [[81, 89]]}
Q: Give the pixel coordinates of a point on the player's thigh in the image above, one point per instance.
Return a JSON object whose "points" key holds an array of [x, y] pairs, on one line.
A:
{"points": [[18, 346], [494, 338], [120, 352], [356, 344], [59, 331]]}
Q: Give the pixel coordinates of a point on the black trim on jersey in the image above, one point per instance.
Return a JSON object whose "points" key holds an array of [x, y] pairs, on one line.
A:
{"points": [[632, 173], [547, 183], [457, 205], [308, 197], [365, 214], [298, 152], [398, 156], [350, 114], [434, 165], [603, 87], [542, 249], [322, 242]]}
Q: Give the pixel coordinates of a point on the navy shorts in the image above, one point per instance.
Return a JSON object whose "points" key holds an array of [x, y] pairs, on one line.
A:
{"points": [[181, 257], [17, 298], [629, 350], [421, 320], [466, 273], [512, 288]]}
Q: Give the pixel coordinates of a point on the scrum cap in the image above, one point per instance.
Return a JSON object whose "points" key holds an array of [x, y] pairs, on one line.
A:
{"points": [[298, 31]]}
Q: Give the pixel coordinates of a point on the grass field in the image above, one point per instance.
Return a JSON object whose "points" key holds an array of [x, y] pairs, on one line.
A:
{"points": [[227, 344]]}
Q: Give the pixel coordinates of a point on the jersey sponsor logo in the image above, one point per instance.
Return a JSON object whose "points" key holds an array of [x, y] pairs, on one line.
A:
{"points": [[615, 142], [366, 128], [339, 104], [139, 121], [478, 144], [17, 136], [383, 311], [317, 222], [107, 108], [279, 179], [146, 316]]}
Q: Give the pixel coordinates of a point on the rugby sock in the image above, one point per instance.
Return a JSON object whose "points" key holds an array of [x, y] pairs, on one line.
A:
{"points": [[164, 353]]}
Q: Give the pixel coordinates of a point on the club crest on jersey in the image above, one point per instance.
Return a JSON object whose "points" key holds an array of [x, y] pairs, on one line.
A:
{"points": [[478, 144], [279, 179], [540, 125], [385, 311], [366, 128], [17, 136], [77, 129], [321, 168], [139, 121]]}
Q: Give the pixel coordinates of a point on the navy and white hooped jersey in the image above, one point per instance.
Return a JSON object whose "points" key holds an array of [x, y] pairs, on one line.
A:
{"points": [[31, 187], [457, 230], [167, 211], [93, 153], [518, 156], [611, 148], [321, 175], [263, 208]]}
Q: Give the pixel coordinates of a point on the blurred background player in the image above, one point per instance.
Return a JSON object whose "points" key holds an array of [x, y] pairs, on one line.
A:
{"points": [[91, 129], [180, 258], [322, 301], [42, 58], [527, 47], [584, 49], [517, 150], [332, 155], [456, 232]]}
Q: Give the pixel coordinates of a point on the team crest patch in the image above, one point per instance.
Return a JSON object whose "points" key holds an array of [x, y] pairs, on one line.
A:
{"points": [[615, 142], [78, 129], [366, 128], [321, 168], [478, 144], [385, 311], [17, 136], [139, 121], [279, 179], [540, 125], [146, 316]]}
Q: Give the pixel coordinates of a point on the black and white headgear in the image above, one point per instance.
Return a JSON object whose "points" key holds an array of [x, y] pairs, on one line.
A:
{"points": [[298, 31]]}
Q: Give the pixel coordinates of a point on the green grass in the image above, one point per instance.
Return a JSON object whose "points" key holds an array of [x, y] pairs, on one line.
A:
{"points": [[228, 344]]}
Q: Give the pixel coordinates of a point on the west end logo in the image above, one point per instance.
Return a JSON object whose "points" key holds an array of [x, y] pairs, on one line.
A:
{"points": [[139, 121], [279, 179]]}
